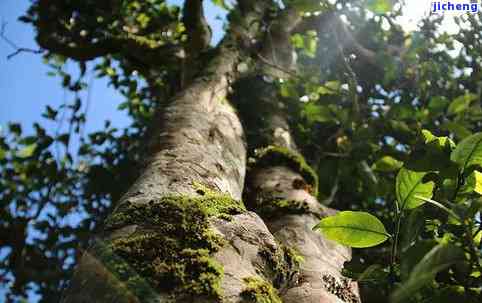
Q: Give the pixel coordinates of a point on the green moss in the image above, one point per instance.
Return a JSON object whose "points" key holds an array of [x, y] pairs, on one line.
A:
{"points": [[217, 204], [172, 248], [283, 265], [259, 291], [269, 208], [276, 155], [127, 282], [210, 203]]}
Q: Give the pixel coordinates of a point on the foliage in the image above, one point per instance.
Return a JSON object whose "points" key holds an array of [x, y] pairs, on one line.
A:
{"points": [[418, 264], [357, 122]]}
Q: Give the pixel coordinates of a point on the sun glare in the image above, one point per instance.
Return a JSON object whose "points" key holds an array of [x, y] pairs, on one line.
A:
{"points": [[415, 10]]}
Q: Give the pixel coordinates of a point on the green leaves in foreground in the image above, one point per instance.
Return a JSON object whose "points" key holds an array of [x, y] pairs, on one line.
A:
{"points": [[410, 186], [355, 229], [439, 258]]}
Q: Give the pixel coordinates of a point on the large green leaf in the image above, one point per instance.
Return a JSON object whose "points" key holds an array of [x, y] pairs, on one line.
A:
{"points": [[437, 259], [468, 152], [355, 229], [409, 184]]}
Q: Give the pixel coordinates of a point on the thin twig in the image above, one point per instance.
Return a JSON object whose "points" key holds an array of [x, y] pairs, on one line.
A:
{"points": [[353, 81], [336, 155], [87, 105], [284, 70], [18, 49]]}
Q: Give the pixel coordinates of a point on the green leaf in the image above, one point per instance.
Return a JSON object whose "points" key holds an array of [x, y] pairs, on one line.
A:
{"points": [[307, 42], [64, 138], [297, 41], [3, 154], [478, 182], [458, 129], [439, 142], [110, 71], [317, 113], [473, 183], [461, 103], [27, 151], [412, 256], [437, 105], [329, 88], [123, 105], [380, 6], [373, 273], [288, 89], [411, 228], [143, 20], [478, 238], [441, 206], [355, 229], [15, 128], [333, 85], [387, 164], [437, 259], [410, 184], [468, 152], [50, 113], [221, 4], [305, 5]]}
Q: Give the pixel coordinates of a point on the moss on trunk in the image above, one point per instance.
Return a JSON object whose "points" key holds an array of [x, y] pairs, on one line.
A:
{"points": [[172, 245], [259, 291], [280, 156]]}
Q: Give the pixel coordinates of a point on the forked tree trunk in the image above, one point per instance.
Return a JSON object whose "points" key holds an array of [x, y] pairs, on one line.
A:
{"points": [[181, 232]]}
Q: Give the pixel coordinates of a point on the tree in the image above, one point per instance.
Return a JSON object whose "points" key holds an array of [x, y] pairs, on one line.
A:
{"points": [[237, 150]]}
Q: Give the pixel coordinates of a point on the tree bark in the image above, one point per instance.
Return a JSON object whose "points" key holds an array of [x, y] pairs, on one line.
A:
{"points": [[281, 188], [181, 232]]}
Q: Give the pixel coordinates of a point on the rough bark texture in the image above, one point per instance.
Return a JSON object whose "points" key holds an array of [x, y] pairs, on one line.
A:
{"points": [[290, 212], [282, 188], [181, 232]]}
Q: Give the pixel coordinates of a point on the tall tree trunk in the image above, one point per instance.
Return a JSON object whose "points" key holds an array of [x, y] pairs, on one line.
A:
{"points": [[181, 232], [281, 188]]}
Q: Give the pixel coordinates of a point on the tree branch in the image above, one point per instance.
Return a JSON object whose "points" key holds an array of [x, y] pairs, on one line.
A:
{"points": [[18, 49], [346, 37], [198, 30]]}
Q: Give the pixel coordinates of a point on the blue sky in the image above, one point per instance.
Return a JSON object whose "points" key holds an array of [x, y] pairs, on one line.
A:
{"points": [[26, 88]]}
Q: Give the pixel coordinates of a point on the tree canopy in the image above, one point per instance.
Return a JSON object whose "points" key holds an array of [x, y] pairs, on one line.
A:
{"points": [[389, 120]]}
